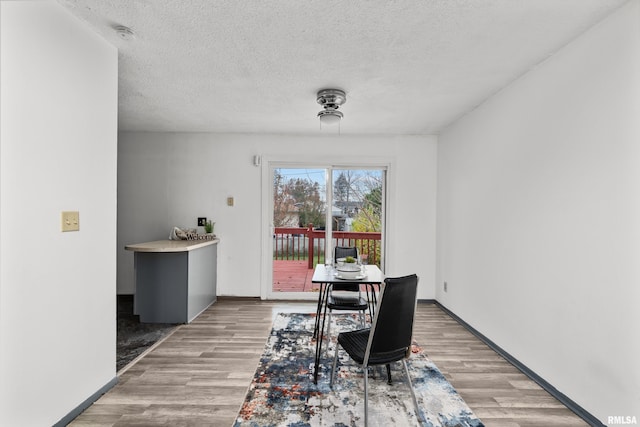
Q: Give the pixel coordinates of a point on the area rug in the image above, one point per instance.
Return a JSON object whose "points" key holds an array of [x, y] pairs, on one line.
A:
{"points": [[282, 392]]}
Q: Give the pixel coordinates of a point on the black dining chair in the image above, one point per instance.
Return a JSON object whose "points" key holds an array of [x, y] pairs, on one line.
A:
{"points": [[348, 296], [389, 338]]}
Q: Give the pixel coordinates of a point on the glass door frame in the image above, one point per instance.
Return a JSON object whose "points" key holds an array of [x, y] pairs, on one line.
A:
{"points": [[268, 165]]}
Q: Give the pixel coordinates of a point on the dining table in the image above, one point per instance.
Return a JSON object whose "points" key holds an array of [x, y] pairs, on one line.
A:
{"points": [[326, 276]]}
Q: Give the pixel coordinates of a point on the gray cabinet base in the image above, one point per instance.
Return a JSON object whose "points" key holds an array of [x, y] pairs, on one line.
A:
{"points": [[174, 287]]}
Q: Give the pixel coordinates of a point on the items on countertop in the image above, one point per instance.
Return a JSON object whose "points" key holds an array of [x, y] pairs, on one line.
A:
{"points": [[189, 234]]}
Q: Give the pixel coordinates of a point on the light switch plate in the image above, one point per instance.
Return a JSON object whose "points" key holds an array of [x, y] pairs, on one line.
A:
{"points": [[70, 221], [230, 201]]}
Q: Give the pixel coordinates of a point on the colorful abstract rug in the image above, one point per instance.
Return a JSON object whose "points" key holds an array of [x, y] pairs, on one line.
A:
{"points": [[282, 392]]}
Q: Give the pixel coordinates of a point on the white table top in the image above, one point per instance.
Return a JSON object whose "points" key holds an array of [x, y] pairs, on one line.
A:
{"points": [[322, 275], [170, 245]]}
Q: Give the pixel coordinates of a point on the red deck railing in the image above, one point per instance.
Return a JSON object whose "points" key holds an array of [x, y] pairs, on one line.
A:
{"points": [[299, 243]]}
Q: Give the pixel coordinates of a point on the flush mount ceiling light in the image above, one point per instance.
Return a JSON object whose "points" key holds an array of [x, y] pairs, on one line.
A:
{"points": [[331, 100], [125, 33]]}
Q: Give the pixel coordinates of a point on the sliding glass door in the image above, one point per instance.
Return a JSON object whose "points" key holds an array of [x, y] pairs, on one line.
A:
{"points": [[299, 223], [358, 195], [314, 209]]}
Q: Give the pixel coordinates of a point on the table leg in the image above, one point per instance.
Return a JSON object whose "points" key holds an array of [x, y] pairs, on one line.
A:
{"points": [[371, 300], [375, 299], [319, 334], [320, 300]]}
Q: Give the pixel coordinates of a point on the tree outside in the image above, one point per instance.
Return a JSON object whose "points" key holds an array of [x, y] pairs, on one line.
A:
{"points": [[359, 194], [297, 202]]}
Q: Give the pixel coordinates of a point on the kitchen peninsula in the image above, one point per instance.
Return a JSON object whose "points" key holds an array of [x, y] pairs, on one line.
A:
{"points": [[175, 280]]}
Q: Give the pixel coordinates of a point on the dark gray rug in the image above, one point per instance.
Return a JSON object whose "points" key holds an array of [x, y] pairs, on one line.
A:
{"points": [[133, 337]]}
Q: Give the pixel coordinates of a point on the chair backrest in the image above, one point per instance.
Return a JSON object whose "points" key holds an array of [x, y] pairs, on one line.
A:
{"points": [[344, 251], [392, 327]]}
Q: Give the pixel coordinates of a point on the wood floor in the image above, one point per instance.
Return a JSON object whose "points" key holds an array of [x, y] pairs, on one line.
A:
{"points": [[199, 375]]}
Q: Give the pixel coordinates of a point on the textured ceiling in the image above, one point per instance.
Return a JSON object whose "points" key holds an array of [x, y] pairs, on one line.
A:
{"points": [[408, 66]]}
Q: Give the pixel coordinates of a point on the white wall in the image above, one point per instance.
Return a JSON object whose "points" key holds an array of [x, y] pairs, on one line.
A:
{"points": [[58, 152], [539, 218], [168, 179]]}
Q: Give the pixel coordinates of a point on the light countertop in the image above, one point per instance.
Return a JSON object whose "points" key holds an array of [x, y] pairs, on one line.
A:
{"points": [[170, 245]]}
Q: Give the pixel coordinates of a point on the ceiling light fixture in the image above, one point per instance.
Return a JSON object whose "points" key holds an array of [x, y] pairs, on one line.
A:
{"points": [[331, 100], [125, 33]]}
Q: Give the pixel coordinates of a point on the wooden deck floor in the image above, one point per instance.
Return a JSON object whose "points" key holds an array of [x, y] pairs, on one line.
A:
{"points": [[292, 276]]}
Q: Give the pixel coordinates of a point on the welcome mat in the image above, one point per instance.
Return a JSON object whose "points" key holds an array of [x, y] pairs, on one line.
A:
{"points": [[282, 392]]}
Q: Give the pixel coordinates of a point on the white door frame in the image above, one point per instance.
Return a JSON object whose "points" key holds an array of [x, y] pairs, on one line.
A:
{"points": [[299, 162]]}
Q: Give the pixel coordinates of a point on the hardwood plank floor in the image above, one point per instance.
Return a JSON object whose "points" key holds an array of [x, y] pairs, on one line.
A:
{"points": [[199, 375]]}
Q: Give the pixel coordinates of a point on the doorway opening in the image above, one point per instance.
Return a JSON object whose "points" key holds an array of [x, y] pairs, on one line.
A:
{"points": [[315, 209]]}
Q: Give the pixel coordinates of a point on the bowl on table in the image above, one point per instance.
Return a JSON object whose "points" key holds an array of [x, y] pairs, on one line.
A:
{"points": [[349, 270]]}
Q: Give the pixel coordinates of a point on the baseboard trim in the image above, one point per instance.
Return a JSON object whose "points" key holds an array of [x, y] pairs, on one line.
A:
{"points": [[573, 406], [88, 402]]}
